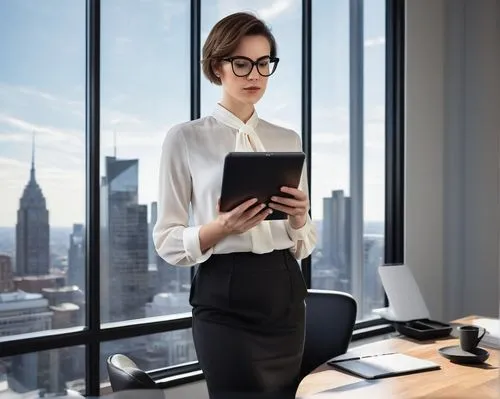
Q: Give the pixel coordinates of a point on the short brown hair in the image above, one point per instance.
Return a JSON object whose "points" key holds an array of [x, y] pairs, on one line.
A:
{"points": [[225, 37]]}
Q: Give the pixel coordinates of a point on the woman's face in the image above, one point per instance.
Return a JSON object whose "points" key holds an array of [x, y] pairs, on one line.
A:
{"points": [[247, 89]]}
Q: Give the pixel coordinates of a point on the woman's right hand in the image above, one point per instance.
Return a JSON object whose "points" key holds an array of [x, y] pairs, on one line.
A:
{"points": [[237, 221], [243, 217]]}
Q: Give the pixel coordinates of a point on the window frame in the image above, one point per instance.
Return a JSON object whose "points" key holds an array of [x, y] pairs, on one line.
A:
{"points": [[93, 334]]}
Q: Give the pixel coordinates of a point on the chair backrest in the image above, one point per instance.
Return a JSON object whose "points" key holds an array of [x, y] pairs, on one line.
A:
{"points": [[330, 319], [125, 375]]}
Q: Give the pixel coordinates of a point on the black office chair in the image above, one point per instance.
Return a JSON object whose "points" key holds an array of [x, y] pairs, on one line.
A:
{"points": [[124, 375], [330, 318]]}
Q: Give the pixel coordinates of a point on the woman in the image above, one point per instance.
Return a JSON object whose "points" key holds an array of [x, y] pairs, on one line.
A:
{"points": [[248, 294]]}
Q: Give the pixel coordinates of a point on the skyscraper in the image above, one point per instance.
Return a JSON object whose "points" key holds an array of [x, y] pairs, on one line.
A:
{"points": [[336, 244], [20, 313], [6, 278], [32, 229], [76, 257], [124, 259], [373, 292]]}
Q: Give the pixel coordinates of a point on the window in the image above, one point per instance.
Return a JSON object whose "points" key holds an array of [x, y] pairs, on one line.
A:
{"points": [[330, 144], [374, 47], [144, 91], [42, 166], [58, 160], [151, 352], [348, 139], [53, 372]]}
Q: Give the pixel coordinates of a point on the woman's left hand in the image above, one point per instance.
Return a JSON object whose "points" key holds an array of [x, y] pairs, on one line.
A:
{"points": [[296, 208]]}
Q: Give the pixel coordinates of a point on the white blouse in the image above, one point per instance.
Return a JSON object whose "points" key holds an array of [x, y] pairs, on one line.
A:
{"points": [[191, 169]]}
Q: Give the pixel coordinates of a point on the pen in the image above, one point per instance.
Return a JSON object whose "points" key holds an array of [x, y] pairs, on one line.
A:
{"points": [[360, 357]]}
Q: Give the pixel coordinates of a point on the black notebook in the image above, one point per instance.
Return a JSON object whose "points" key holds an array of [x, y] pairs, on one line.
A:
{"points": [[382, 365]]}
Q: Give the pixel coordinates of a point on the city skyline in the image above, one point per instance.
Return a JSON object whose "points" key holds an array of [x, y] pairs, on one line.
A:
{"points": [[132, 289], [145, 90], [42, 91]]}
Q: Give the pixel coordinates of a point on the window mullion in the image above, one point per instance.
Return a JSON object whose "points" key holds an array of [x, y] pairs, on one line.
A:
{"points": [[356, 127], [306, 108], [92, 234]]}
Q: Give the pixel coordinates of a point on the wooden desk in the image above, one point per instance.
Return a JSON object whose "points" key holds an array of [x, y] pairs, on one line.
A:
{"points": [[452, 381]]}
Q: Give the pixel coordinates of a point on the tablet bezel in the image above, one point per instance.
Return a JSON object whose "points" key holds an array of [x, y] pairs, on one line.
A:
{"points": [[279, 168]]}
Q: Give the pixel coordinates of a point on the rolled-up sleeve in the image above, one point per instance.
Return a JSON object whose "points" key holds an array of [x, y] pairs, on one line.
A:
{"points": [[174, 240], [305, 237]]}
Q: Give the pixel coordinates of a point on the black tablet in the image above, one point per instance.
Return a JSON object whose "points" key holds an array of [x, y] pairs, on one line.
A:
{"points": [[259, 175]]}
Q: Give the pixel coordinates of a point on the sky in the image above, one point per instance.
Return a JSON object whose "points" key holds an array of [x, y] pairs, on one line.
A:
{"points": [[145, 90]]}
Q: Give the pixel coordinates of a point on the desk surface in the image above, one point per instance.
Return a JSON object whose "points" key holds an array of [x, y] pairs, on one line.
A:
{"points": [[452, 381]]}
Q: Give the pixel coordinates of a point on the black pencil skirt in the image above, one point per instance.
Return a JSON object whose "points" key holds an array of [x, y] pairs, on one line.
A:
{"points": [[248, 324]]}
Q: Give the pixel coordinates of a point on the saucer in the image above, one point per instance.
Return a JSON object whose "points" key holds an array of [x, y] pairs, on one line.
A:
{"points": [[457, 355]]}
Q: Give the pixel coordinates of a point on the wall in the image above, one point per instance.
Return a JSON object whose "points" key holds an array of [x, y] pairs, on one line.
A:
{"points": [[452, 208], [424, 147], [478, 60]]}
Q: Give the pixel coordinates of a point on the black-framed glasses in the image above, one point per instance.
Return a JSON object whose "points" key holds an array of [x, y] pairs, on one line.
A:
{"points": [[242, 66]]}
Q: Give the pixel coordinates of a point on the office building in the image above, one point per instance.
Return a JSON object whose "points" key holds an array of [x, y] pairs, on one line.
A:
{"points": [[32, 229], [335, 264], [124, 260], [6, 276], [76, 257]]}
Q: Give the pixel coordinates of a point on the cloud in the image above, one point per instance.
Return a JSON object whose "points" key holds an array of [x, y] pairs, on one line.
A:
{"points": [[70, 137], [283, 123], [171, 11], [119, 99], [117, 118], [375, 41], [55, 102], [338, 114], [264, 9], [132, 138], [55, 175], [274, 10], [14, 175], [122, 40], [122, 45], [14, 137], [280, 107], [48, 96], [375, 114], [321, 138], [25, 95], [375, 146], [66, 140], [11, 163]]}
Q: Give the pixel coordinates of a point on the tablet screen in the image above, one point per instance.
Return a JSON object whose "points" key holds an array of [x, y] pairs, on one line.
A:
{"points": [[259, 175]]}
